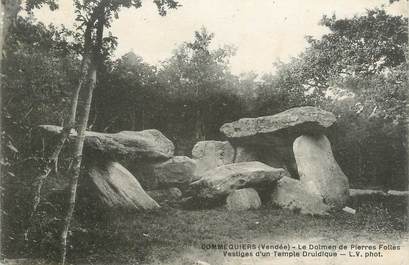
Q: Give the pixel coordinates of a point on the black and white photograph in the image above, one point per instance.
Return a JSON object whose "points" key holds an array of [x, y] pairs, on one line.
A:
{"points": [[204, 132]]}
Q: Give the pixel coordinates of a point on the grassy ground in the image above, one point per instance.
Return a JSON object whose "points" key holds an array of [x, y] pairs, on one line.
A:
{"points": [[175, 236]]}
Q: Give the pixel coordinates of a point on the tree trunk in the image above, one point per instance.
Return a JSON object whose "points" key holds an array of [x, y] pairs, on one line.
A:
{"points": [[143, 117], [52, 159], [9, 8], [199, 126], [133, 118], [82, 126], [77, 156]]}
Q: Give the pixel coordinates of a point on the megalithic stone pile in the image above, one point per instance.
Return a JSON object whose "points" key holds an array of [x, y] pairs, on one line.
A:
{"points": [[293, 142], [115, 186], [222, 180], [285, 155]]}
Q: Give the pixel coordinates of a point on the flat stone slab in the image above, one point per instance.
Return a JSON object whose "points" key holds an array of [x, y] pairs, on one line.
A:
{"points": [[297, 120], [223, 180], [147, 144]]}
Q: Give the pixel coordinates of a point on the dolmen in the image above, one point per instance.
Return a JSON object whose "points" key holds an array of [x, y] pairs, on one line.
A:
{"points": [[289, 149], [283, 160], [115, 186], [147, 144]]}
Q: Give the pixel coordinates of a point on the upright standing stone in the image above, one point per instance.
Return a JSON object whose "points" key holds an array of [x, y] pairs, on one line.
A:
{"points": [[319, 172], [118, 188], [211, 154]]}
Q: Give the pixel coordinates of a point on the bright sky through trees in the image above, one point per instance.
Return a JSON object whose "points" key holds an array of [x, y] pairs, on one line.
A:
{"points": [[262, 30]]}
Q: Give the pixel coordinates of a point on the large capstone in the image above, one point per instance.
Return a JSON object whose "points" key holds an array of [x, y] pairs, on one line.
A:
{"points": [[269, 139], [291, 194], [116, 187], [260, 130], [223, 180], [243, 199], [319, 172], [141, 145]]}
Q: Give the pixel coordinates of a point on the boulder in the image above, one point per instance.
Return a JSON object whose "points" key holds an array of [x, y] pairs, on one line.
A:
{"points": [[270, 138], [177, 171], [222, 151], [290, 194], [243, 199], [148, 144], [261, 130], [165, 195], [211, 154], [118, 188], [223, 180], [319, 172]]}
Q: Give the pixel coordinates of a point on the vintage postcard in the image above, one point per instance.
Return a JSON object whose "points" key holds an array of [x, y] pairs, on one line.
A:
{"points": [[207, 132]]}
